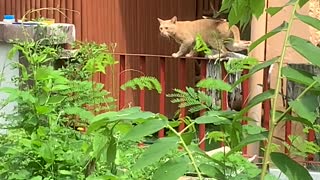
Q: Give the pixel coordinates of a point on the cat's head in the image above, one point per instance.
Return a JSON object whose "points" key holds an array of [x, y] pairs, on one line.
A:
{"points": [[167, 27]]}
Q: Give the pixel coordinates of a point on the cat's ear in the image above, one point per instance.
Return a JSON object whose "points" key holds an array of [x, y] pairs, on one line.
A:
{"points": [[174, 19], [160, 20]]}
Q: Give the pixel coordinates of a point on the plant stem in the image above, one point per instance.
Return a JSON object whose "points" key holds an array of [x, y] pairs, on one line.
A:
{"points": [[273, 122], [188, 152]]}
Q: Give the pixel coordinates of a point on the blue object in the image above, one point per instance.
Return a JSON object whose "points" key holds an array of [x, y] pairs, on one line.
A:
{"points": [[9, 17]]}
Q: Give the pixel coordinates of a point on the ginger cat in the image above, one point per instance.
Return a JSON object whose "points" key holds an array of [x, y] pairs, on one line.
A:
{"points": [[215, 33]]}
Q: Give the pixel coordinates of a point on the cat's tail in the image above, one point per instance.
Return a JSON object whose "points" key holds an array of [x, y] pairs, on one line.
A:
{"points": [[236, 34]]}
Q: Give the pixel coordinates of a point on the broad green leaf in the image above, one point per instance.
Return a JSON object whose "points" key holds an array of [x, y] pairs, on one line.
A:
{"points": [[46, 152], [314, 22], [211, 171], [97, 125], [257, 100], [100, 143], [292, 169], [255, 69], [248, 140], [306, 49], [275, 31], [302, 2], [60, 87], [298, 76], [273, 10], [133, 113], [105, 177], [253, 129], [56, 99], [172, 169], [156, 151], [84, 114], [226, 5], [146, 128], [214, 84], [257, 7], [306, 107], [36, 178], [65, 172], [112, 150], [188, 137], [212, 119]]}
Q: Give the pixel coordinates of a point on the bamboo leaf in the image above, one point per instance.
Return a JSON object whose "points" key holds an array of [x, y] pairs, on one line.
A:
{"points": [[255, 69], [288, 117], [302, 2], [273, 10], [289, 167], [309, 20], [156, 151], [248, 140], [257, 99], [306, 49], [275, 31], [298, 76]]}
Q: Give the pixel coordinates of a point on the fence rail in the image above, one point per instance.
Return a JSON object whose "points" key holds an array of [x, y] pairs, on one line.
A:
{"points": [[182, 71]]}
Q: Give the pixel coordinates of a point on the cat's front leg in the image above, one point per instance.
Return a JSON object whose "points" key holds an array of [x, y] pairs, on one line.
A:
{"points": [[184, 47]]}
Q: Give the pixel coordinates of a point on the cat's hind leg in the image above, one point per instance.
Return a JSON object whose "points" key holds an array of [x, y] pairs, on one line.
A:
{"points": [[219, 49], [192, 53]]}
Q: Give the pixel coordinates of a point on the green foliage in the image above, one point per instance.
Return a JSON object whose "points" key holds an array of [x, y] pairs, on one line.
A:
{"points": [[216, 84], [289, 167], [95, 57], [282, 27], [240, 11], [238, 65], [201, 46], [195, 100], [143, 82]]}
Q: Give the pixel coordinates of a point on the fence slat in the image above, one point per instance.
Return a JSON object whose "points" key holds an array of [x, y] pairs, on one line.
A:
{"points": [[202, 127], [122, 81], [163, 93], [182, 85], [142, 92]]}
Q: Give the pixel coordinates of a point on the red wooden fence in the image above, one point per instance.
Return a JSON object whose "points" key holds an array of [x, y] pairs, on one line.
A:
{"points": [[181, 84]]}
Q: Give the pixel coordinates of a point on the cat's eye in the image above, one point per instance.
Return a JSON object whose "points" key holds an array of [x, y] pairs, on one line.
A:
{"points": [[166, 27], [161, 29]]}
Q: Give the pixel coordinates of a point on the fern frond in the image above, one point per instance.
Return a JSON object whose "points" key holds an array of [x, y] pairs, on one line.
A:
{"points": [[143, 82], [197, 108], [217, 84], [194, 100]]}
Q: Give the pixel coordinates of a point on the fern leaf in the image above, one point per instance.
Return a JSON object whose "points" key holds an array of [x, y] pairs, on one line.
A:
{"points": [[218, 84], [143, 82]]}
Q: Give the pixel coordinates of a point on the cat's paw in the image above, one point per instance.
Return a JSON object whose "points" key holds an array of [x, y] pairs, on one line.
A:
{"points": [[189, 55], [175, 55], [213, 56]]}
